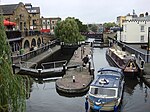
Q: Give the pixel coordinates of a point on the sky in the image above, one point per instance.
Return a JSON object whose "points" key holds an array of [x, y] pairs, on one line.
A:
{"points": [[87, 11]]}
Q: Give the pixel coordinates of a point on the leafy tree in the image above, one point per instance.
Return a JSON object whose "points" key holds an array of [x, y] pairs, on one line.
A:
{"points": [[12, 87], [68, 31], [82, 27], [93, 27], [109, 25]]}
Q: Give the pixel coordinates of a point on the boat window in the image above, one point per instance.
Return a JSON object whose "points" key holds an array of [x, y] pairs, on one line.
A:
{"points": [[103, 91]]}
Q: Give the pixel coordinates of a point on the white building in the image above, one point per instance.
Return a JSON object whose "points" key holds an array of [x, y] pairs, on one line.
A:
{"points": [[135, 29]]}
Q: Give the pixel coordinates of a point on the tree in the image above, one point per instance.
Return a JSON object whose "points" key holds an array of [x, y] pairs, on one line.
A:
{"points": [[12, 87], [82, 27], [109, 25], [93, 27], [68, 31]]}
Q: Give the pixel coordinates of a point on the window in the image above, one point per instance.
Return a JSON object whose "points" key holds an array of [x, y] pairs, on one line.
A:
{"points": [[142, 38], [125, 28], [142, 28], [103, 91], [43, 21], [48, 22], [53, 22]]}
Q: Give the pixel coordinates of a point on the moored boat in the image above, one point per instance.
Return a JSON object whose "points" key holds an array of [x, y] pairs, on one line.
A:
{"points": [[106, 90], [122, 60]]}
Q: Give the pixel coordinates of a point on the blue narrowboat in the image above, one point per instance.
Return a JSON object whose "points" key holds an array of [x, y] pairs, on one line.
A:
{"points": [[106, 91]]}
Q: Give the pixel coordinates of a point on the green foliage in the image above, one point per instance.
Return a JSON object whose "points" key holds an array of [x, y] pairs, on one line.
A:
{"points": [[109, 25], [68, 31], [12, 87], [93, 27]]}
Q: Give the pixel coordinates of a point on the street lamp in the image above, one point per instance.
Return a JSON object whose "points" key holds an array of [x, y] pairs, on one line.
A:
{"points": [[148, 44]]}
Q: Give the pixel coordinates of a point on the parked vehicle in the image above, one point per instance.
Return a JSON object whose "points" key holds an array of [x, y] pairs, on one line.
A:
{"points": [[122, 60], [106, 91]]}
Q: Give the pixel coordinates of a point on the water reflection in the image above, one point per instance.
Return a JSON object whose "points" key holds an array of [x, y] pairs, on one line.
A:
{"points": [[45, 98]]}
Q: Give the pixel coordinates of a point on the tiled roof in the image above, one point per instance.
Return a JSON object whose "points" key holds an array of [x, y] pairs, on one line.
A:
{"points": [[34, 8], [8, 9], [146, 18]]}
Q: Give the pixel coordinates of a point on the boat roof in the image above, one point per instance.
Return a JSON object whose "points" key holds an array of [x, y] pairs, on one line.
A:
{"points": [[110, 76], [113, 69], [112, 81], [122, 54]]}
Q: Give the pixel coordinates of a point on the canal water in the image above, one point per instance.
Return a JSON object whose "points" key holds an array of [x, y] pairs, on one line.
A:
{"points": [[44, 97]]}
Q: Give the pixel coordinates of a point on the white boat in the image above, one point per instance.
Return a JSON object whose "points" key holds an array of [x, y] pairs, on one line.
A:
{"points": [[106, 90]]}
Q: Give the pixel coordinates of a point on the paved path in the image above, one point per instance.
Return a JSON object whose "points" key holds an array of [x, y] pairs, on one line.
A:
{"points": [[82, 75], [31, 62]]}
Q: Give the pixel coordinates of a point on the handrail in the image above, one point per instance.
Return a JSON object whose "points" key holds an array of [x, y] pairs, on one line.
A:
{"points": [[24, 64], [53, 63]]}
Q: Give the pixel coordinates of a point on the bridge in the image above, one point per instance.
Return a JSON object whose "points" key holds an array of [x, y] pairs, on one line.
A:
{"points": [[93, 35], [50, 69]]}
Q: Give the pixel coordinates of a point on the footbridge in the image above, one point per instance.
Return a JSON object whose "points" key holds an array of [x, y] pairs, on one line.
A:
{"points": [[49, 69]]}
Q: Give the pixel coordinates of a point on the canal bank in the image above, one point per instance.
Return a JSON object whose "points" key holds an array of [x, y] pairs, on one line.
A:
{"points": [[35, 60], [77, 80], [146, 76]]}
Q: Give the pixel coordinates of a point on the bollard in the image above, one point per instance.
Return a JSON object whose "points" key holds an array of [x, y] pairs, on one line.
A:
{"points": [[142, 68], [92, 72], [89, 66], [13, 67], [39, 71], [64, 68], [73, 78]]}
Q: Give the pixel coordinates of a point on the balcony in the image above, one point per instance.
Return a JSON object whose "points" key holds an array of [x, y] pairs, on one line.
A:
{"points": [[13, 35]]}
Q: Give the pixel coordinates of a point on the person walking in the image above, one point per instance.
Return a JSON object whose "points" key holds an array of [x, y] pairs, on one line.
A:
{"points": [[85, 60]]}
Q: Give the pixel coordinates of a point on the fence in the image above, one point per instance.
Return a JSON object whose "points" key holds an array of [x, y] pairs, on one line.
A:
{"points": [[31, 54], [144, 56]]}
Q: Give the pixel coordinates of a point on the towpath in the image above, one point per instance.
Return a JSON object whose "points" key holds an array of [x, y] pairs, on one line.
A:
{"points": [[81, 75]]}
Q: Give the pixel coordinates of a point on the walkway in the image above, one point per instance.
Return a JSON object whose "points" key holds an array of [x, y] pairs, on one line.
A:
{"points": [[80, 74], [33, 61]]}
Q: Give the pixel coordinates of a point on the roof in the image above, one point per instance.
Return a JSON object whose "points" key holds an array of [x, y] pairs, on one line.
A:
{"points": [[112, 81], [32, 10], [114, 69], [146, 18], [8, 9]]}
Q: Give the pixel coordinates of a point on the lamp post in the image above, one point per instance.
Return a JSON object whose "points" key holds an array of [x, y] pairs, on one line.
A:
{"points": [[148, 44]]}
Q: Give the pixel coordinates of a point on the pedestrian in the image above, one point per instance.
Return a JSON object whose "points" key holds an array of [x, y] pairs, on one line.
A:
{"points": [[86, 104], [85, 60]]}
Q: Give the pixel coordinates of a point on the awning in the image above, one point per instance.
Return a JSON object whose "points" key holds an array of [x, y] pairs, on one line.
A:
{"points": [[9, 23], [45, 30]]}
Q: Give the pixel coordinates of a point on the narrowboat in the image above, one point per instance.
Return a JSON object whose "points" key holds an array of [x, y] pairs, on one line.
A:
{"points": [[106, 91], [122, 60]]}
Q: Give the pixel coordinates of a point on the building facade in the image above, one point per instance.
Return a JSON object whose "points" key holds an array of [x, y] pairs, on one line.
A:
{"points": [[48, 24], [26, 32], [34, 13], [135, 30], [120, 20]]}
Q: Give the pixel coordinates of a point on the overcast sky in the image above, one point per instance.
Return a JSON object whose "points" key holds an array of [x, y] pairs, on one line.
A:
{"points": [[88, 11]]}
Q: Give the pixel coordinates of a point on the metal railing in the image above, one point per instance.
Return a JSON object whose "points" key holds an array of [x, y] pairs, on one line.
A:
{"points": [[54, 64], [144, 56], [31, 54]]}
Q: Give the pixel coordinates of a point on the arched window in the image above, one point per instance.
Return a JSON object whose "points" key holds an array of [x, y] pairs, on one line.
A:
{"points": [[26, 44], [38, 42], [33, 43]]}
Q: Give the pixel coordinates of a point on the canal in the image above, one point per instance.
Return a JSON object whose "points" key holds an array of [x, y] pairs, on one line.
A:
{"points": [[43, 96]]}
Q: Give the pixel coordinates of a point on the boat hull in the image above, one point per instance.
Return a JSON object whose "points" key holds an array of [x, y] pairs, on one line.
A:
{"points": [[112, 62]]}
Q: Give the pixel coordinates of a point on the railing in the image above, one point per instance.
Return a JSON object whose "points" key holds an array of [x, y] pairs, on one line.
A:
{"points": [[31, 54], [13, 34], [54, 64], [30, 33], [28, 65], [144, 56]]}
